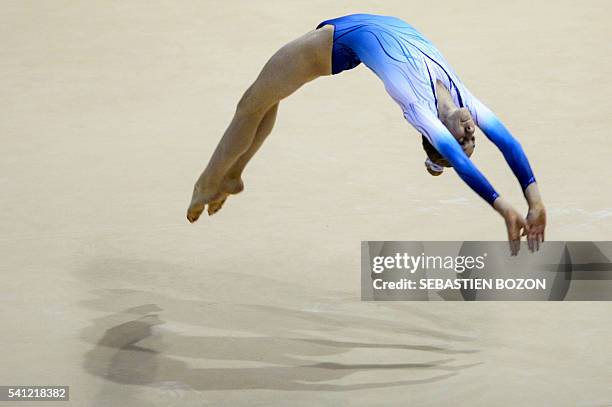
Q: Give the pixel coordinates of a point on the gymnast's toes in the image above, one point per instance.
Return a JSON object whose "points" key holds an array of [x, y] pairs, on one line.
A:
{"points": [[215, 206], [201, 196], [194, 211]]}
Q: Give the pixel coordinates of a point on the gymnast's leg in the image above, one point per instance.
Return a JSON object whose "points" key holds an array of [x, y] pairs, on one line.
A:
{"points": [[232, 183], [295, 64]]}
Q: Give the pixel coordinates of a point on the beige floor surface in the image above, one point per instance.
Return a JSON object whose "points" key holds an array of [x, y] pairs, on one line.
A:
{"points": [[111, 109]]}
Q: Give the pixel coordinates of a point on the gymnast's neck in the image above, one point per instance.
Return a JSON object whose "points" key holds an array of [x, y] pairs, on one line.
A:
{"points": [[446, 105]]}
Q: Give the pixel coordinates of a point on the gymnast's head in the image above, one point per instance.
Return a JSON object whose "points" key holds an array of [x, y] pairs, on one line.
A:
{"points": [[461, 126]]}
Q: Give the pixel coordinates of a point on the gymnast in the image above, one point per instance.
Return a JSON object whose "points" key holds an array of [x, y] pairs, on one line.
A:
{"points": [[415, 74]]}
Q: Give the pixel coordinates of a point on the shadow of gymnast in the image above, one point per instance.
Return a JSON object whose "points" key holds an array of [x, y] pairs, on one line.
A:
{"points": [[133, 353]]}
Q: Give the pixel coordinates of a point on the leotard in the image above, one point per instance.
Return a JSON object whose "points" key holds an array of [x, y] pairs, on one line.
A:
{"points": [[409, 66]]}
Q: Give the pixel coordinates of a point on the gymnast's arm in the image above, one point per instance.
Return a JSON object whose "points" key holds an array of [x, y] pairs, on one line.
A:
{"points": [[495, 131], [430, 126], [512, 150], [439, 136]]}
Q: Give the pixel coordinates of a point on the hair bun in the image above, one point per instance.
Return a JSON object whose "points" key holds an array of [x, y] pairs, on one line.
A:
{"points": [[433, 168]]}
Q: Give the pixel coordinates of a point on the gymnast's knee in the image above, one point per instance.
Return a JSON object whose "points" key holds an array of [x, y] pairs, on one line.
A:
{"points": [[250, 104]]}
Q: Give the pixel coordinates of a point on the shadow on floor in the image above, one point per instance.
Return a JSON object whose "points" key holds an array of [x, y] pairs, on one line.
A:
{"points": [[265, 347]]}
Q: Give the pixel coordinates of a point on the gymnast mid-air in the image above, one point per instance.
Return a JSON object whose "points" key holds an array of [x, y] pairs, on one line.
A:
{"points": [[415, 75]]}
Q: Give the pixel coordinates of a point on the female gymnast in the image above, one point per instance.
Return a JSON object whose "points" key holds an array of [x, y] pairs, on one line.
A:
{"points": [[416, 76]]}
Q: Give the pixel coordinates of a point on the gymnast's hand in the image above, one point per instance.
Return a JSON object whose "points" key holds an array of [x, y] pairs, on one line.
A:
{"points": [[516, 225], [536, 217], [536, 223]]}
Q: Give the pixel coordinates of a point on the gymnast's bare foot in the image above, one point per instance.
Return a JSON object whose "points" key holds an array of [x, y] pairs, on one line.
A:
{"points": [[203, 194], [212, 195], [231, 185]]}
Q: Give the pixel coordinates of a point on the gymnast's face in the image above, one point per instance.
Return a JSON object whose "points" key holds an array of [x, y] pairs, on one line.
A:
{"points": [[461, 125], [468, 143]]}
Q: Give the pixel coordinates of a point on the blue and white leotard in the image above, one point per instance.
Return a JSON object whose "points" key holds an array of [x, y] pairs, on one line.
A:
{"points": [[409, 65]]}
